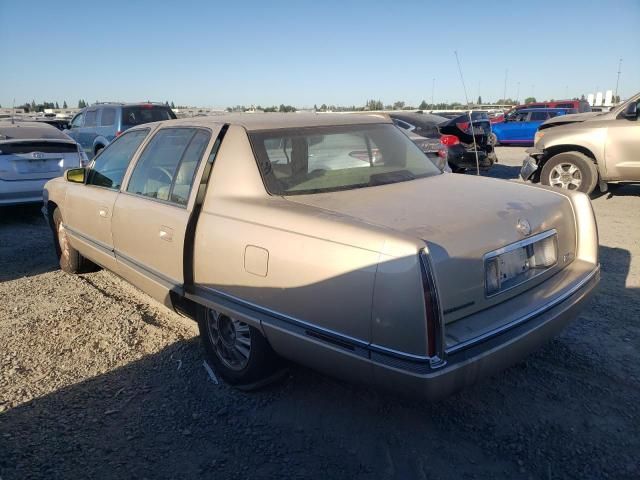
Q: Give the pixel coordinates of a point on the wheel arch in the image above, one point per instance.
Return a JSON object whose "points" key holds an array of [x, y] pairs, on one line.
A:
{"points": [[550, 152]]}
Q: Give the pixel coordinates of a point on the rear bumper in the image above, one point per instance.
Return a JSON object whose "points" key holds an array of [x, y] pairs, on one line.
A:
{"points": [[466, 366], [463, 158], [16, 192]]}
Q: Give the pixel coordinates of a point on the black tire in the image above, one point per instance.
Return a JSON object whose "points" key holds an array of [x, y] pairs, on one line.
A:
{"points": [[261, 364], [493, 139], [570, 170], [71, 261]]}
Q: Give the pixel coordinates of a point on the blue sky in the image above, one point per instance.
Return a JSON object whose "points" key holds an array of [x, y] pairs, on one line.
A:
{"points": [[221, 53]]}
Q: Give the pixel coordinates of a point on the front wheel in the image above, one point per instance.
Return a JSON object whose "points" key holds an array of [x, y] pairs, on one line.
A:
{"points": [[71, 261], [570, 171], [493, 139], [238, 351]]}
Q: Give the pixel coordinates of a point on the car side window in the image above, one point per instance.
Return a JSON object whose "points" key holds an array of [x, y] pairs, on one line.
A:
{"points": [[77, 120], [167, 166], [539, 116], [110, 166], [90, 118], [108, 117]]}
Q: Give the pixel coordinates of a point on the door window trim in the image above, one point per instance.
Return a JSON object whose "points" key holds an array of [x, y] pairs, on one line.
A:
{"points": [[145, 144], [133, 156]]}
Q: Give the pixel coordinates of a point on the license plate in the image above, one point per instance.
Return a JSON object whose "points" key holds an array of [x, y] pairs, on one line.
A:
{"points": [[39, 166], [514, 264]]}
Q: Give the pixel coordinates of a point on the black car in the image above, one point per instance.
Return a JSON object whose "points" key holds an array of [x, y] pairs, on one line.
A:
{"points": [[456, 134]]}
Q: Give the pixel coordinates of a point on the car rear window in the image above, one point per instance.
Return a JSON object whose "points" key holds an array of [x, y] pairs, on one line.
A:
{"points": [[132, 116], [323, 159]]}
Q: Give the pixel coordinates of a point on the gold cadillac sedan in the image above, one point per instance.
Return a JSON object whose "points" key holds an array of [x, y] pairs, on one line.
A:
{"points": [[330, 240]]}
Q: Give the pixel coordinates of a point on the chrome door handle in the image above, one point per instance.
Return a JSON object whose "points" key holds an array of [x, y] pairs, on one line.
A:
{"points": [[166, 233]]}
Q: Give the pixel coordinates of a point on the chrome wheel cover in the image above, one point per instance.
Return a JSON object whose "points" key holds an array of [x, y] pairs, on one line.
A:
{"points": [[565, 175], [230, 338]]}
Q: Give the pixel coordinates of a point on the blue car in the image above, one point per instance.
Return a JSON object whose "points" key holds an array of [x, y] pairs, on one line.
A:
{"points": [[520, 127], [94, 127]]}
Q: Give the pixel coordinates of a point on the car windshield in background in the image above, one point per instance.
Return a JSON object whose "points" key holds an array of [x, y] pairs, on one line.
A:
{"points": [[324, 159], [132, 116]]}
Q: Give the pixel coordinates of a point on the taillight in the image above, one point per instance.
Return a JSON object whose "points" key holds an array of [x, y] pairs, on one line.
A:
{"points": [[463, 126], [449, 140], [118, 133], [432, 309]]}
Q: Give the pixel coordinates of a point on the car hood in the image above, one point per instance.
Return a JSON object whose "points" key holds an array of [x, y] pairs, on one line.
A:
{"points": [[460, 217], [571, 118]]}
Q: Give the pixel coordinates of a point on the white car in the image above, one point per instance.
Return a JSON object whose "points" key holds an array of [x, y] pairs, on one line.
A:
{"points": [[31, 153]]}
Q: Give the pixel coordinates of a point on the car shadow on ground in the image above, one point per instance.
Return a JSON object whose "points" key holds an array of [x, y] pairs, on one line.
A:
{"points": [[17, 255], [568, 410]]}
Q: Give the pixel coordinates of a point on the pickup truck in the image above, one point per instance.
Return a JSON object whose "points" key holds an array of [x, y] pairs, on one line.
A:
{"points": [[330, 240], [585, 150]]}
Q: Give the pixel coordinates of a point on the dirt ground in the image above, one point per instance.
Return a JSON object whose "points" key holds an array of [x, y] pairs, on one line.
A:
{"points": [[99, 381]]}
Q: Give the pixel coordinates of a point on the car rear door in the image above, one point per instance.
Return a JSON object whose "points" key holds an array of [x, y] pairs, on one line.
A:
{"points": [[87, 133], [88, 207], [151, 215], [75, 126], [530, 127], [622, 148]]}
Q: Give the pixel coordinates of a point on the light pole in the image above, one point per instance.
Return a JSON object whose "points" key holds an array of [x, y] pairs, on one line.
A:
{"points": [[433, 87], [615, 97]]}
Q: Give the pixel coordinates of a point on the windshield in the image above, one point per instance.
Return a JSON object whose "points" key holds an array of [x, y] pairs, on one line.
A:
{"points": [[324, 159]]}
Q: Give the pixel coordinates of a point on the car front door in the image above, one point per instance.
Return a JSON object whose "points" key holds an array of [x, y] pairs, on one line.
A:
{"points": [[88, 208], [151, 214], [511, 130], [622, 150]]}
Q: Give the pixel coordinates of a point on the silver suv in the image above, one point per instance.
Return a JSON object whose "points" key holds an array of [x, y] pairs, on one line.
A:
{"points": [[579, 152]]}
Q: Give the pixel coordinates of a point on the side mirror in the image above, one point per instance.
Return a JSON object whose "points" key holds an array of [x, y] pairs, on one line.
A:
{"points": [[631, 112], [75, 175]]}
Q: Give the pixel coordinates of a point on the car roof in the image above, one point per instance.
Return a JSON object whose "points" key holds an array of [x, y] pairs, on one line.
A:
{"points": [[272, 121], [29, 130], [122, 104], [543, 110]]}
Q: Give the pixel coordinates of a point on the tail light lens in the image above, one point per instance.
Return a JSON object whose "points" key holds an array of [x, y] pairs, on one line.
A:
{"points": [[432, 308], [463, 126], [449, 140], [118, 133]]}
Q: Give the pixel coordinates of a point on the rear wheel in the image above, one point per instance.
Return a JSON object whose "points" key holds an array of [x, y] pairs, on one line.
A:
{"points": [[71, 261], [570, 171], [238, 351]]}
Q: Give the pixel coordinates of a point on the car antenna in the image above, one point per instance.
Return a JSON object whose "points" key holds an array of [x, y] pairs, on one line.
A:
{"points": [[473, 133]]}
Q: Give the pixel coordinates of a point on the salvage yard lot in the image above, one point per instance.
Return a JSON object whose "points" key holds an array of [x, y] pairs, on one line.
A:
{"points": [[99, 381]]}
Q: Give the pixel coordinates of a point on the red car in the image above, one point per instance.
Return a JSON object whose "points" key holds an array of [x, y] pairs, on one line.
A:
{"points": [[577, 106]]}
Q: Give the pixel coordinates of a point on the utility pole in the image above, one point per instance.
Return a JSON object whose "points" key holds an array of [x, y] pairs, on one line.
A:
{"points": [[504, 92], [618, 80]]}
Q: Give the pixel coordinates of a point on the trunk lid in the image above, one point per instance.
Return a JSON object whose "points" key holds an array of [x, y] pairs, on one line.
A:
{"points": [[37, 159], [461, 218], [461, 127]]}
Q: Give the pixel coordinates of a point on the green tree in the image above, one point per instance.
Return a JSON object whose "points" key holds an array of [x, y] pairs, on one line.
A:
{"points": [[57, 106], [530, 100], [374, 105], [423, 105], [172, 105], [64, 104], [479, 100], [399, 105]]}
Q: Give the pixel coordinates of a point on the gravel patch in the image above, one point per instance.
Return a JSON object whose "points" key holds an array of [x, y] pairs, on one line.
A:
{"points": [[97, 380]]}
